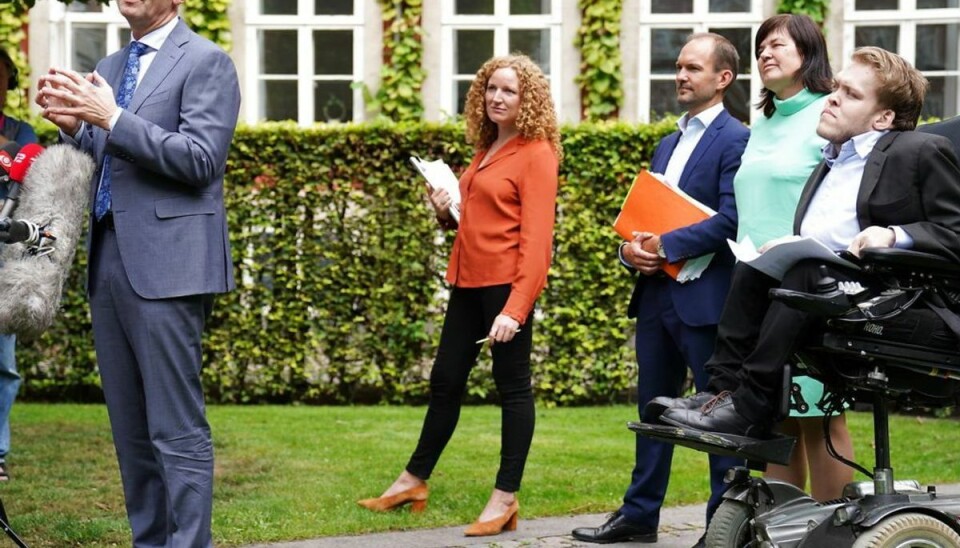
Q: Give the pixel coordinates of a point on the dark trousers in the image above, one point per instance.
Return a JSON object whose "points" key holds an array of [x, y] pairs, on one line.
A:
{"points": [[148, 353], [666, 347], [470, 314], [757, 336]]}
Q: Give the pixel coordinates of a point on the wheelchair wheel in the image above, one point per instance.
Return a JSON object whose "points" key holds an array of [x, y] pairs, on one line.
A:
{"points": [[730, 525], [911, 530]]}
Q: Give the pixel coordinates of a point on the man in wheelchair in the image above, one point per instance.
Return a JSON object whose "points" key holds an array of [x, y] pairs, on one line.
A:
{"points": [[880, 185]]}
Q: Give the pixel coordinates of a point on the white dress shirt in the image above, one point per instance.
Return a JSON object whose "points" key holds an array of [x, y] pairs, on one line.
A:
{"points": [[691, 131]]}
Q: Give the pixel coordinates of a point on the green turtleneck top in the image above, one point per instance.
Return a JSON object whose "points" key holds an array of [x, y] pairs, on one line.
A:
{"points": [[782, 152]]}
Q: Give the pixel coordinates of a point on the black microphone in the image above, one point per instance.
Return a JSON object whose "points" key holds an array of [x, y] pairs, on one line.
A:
{"points": [[12, 232]]}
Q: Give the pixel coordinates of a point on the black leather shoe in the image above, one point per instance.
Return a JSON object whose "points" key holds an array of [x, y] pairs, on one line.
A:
{"points": [[616, 529], [717, 416], [656, 406]]}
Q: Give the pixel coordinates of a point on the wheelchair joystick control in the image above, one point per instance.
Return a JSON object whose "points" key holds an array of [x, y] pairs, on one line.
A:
{"points": [[828, 300], [827, 286]]}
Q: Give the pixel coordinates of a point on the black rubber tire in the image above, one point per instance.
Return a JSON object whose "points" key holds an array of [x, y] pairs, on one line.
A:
{"points": [[730, 525], [912, 530]]}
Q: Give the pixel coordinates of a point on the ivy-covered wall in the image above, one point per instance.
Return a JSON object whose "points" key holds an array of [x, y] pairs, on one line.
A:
{"points": [[339, 264], [12, 36]]}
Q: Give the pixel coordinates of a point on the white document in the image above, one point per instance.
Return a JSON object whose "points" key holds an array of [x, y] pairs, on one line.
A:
{"points": [[439, 175], [693, 268], [776, 261]]}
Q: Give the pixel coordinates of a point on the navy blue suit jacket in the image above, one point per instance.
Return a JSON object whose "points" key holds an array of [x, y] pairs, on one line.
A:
{"points": [[707, 177]]}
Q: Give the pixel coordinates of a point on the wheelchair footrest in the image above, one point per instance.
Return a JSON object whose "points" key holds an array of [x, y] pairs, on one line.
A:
{"points": [[774, 450]]}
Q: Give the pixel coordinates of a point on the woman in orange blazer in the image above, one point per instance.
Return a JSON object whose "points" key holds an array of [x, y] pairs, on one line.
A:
{"points": [[497, 269]]}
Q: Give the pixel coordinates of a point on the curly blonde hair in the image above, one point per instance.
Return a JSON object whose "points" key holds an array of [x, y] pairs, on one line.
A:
{"points": [[536, 119]]}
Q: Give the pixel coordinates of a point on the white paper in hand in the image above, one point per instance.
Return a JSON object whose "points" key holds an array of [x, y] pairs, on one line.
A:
{"points": [[778, 259], [439, 175]]}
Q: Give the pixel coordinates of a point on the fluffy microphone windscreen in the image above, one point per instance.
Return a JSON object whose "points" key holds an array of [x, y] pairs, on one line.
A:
{"points": [[55, 195]]}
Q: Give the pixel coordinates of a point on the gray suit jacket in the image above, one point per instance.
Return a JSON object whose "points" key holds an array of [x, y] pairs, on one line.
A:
{"points": [[169, 152], [911, 179]]}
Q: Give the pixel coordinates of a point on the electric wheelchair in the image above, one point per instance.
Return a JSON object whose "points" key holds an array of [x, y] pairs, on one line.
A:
{"points": [[894, 342]]}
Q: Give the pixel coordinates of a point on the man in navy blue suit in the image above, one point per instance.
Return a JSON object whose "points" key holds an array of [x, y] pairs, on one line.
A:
{"points": [[677, 322]]}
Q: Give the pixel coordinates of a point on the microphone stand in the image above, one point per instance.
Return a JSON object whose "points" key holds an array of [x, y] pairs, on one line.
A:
{"points": [[9, 203]]}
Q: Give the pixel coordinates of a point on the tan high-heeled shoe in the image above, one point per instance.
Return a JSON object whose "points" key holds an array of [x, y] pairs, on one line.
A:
{"points": [[417, 496], [506, 522]]}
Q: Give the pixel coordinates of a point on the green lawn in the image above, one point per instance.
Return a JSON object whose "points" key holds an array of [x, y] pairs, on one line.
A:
{"points": [[294, 472]]}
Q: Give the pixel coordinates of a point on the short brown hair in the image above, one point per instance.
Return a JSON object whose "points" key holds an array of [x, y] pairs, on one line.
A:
{"points": [[815, 72], [900, 87], [725, 56]]}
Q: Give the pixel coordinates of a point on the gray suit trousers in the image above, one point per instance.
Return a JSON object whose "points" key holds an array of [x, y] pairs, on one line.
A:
{"points": [[149, 356]]}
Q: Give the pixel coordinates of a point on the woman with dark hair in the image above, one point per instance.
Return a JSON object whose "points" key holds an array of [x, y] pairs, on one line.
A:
{"points": [[782, 152], [497, 269]]}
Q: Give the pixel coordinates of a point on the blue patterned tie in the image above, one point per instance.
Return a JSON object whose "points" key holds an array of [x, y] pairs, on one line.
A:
{"points": [[124, 95]]}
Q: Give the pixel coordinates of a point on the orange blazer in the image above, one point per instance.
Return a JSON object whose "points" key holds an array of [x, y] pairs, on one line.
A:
{"points": [[506, 223]]}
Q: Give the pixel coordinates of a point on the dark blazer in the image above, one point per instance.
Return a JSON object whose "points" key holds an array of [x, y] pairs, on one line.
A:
{"points": [[948, 128], [168, 165], [911, 179], [707, 177]]}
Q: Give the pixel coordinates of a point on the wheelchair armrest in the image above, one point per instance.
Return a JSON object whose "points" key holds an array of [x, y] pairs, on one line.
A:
{"points": [[889, 258]]}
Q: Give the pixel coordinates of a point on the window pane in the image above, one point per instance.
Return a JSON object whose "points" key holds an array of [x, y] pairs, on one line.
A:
{"points": [[741, 40], [278, 7], [333, 52], [887, 38], [89, 46], [278, 51], [942, 97], [125, 37], [877, 5], [535, 43], [462, 87], [937, 47], [530, 7], [88, 7], [729, 6], [333, 7], [278, 99], [737, 100], [663, 99], [332, 101], [472, 48], [671, 6], [474, 7], [935, 4], [665, 46]]}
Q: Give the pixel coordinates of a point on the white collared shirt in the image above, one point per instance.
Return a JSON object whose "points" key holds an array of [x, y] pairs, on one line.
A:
{"points": [[691, 131], [831, 216]]}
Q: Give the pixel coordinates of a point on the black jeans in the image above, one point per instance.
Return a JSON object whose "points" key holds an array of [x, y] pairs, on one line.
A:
{"points": [[470, 314]]}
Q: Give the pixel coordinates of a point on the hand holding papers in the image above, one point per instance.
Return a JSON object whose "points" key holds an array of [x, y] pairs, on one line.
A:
{"points": [[439, 176], [783, 253], [656, 206]]}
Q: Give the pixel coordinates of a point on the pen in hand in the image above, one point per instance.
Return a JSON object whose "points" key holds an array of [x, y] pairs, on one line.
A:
{"points": [[486, 339]]}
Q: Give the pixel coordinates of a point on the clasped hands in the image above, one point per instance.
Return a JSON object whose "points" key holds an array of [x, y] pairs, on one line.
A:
{"points": [[68, 98], [641, 253]]}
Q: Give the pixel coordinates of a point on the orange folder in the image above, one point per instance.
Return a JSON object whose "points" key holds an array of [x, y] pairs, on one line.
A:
{"points": [[656, 206]]}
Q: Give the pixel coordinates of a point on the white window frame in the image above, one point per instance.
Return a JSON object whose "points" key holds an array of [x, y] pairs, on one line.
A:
{"points": [[907, 18], [501, 23], [304, 25], [700, 20], [64, 21]]}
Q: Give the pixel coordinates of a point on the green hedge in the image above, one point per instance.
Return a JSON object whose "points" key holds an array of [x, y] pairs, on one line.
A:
{"points": [[339, 267]]}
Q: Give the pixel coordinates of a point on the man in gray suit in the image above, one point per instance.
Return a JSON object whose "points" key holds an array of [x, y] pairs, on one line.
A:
{"points": [[158, 117]]}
